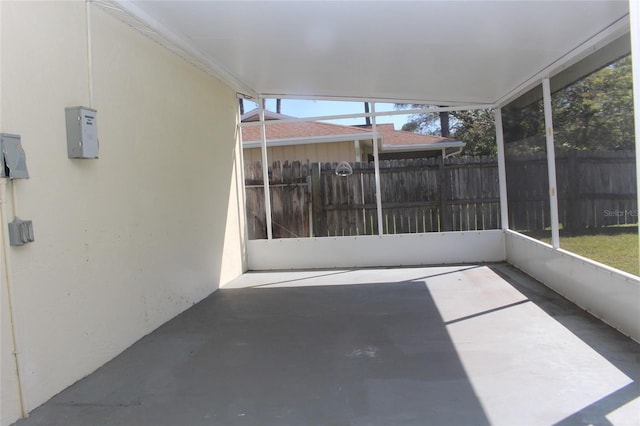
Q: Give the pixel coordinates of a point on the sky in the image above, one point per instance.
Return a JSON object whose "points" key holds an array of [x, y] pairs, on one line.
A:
{"points": [[311, 108]]}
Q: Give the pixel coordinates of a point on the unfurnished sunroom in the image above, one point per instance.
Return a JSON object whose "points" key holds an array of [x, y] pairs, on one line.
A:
{"points": [[123, 244]]}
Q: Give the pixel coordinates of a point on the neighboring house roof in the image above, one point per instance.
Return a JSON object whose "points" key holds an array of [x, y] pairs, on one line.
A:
{"points": [[304, 132], [302, 129], [400, 140]]}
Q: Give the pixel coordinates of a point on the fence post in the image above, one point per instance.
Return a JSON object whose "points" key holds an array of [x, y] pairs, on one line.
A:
{"points": [[444, 217], [316, 200], [573, 215]]}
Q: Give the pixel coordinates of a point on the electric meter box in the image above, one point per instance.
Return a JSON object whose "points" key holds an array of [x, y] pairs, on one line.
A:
{"points": [[82, 132]]}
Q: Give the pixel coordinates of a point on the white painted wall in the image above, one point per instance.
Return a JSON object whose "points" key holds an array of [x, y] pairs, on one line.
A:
{"points": [[127, 241], [373, 250], [607, 293]]}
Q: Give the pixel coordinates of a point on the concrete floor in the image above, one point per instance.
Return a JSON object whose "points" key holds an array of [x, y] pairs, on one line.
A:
{"points": [[465, 345]]}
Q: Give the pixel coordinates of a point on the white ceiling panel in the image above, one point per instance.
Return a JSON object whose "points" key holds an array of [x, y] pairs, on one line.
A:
{"points": [[445, 52]]}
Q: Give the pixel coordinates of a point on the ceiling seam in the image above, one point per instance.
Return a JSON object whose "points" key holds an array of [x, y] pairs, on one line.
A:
{"points": [[147, 26]]}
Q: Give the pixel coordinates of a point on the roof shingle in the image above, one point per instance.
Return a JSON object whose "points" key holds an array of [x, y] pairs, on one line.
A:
{"points": [[310, 129]]}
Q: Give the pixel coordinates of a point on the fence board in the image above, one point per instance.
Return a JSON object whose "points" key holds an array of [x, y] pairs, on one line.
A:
{"points": [[594, 189]]}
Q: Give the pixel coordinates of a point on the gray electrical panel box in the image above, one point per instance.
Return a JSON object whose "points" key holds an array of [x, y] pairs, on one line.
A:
{"points": [[82, 132], [13, 161], [20, 232]]}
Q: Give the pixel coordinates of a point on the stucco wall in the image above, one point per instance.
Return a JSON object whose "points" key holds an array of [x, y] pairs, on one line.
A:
{"points": [[606, 293], [430, 248], [127, 241]]}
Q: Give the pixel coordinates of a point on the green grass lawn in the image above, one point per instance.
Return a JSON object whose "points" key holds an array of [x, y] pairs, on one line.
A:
{"points": [[615, 246]]}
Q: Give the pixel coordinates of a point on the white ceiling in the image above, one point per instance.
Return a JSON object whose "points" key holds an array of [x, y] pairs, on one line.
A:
{"points": [[443, 52]]}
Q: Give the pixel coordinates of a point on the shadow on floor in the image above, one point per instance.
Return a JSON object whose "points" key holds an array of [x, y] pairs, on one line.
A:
{"points": [[467, 345], [366, 354]]}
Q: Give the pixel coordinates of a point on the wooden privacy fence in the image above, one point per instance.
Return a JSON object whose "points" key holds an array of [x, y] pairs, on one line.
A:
{"points": [[595, 189], [418, 195], [431, 195]]}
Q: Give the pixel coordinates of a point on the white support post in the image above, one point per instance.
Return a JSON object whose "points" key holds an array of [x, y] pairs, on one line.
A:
{"points": [[502, 169], [376, 164], [634, 18], [551, 163], [243, 187], [265, 171]]}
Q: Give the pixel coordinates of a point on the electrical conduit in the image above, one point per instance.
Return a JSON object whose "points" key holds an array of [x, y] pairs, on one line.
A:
{"points": [[7, 278]]}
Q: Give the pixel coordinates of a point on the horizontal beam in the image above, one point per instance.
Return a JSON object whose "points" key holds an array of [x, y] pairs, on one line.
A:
{"points": [[310, 140], [366, 114], [436, 146], [366, 99]]}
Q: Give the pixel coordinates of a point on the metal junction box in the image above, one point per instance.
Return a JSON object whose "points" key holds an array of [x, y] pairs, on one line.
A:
{"points": [[82, 132], [20, 232], [13, 159]]}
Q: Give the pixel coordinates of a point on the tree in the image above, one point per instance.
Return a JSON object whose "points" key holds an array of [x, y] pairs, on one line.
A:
{"points": [[475, 128], [595, 112], [431, 123]]}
